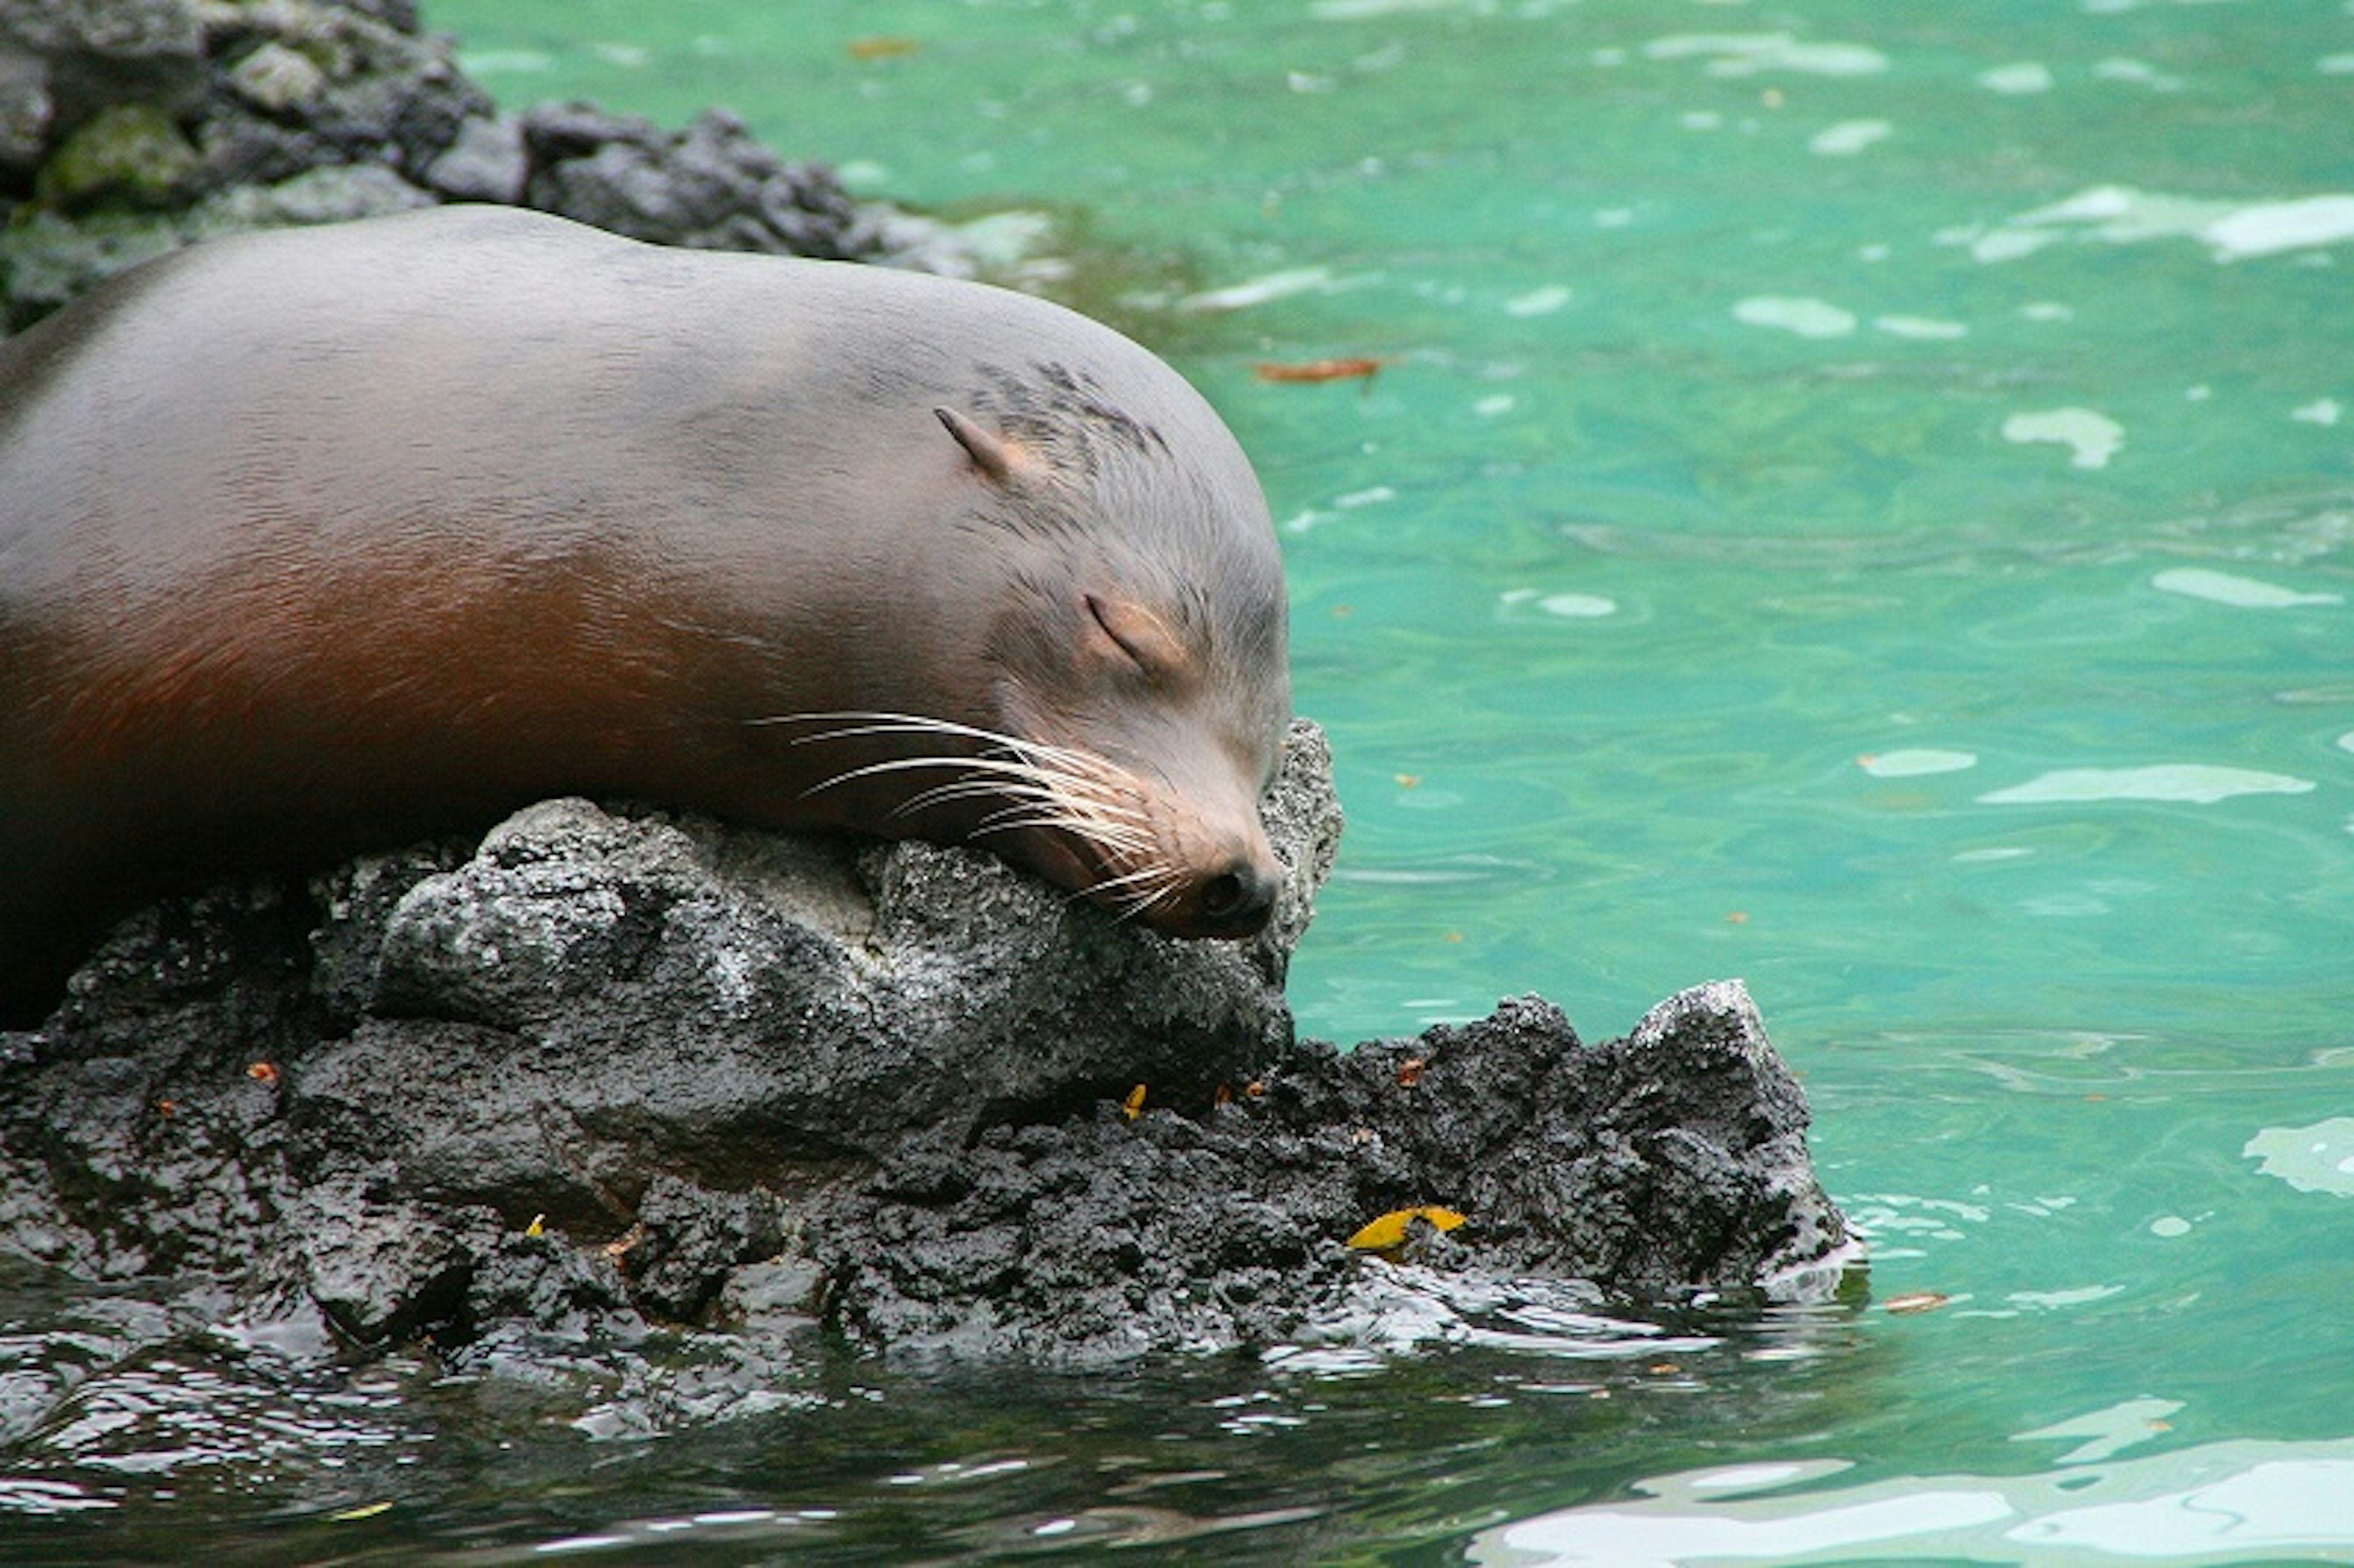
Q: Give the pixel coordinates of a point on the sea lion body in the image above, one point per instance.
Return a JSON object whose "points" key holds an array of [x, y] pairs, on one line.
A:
{"points": [[320, 540]]}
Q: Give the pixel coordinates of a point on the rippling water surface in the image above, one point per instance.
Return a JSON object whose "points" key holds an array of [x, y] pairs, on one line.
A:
{"points": [[1857, 497]]}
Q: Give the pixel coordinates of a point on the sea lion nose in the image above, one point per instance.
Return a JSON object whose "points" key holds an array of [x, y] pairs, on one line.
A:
{"points": [[1240, 898]]}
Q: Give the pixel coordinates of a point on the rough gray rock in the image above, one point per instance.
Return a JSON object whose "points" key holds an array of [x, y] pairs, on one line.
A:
{"points": [[613, 1071], [130, 127]]}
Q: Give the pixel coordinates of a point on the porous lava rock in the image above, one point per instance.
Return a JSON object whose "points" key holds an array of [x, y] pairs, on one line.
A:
{"points": [[613, 1071], [129, 128]]}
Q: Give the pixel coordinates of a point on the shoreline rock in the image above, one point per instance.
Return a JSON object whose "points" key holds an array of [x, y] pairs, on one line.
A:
{"points": [[133, 127], [610, 1072]]}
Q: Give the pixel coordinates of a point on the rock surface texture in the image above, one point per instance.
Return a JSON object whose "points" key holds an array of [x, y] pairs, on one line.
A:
{"points": [[613, 1071], [130, 127]]}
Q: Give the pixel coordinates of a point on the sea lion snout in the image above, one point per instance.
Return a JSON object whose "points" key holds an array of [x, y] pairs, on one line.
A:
{"points": [[1239, 900]]}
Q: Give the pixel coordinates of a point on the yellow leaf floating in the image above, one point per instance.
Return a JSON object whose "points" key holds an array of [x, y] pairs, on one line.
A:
{"points": [[1133, 1106], [1389, 1231], [365, 1510]]}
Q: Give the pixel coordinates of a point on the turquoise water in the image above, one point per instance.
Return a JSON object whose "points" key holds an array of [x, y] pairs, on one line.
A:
{"points": [[1857, 497]]}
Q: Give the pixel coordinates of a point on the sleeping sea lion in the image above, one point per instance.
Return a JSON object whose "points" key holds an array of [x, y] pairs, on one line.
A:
{"points": [[320, 540]]}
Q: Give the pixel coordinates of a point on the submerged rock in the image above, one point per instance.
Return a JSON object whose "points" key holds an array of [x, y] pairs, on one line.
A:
{"points": [[613, 1072]]}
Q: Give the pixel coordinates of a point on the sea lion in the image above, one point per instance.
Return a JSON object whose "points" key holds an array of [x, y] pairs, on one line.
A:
{"points": [[319, 540]]}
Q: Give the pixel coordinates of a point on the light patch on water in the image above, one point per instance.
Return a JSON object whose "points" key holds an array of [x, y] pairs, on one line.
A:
{"points": [[2092, 438], [1538, 301], [2242, 593], [1747, 54], [2141, 73], [1360, 10], [1923, 328], [2016, 78], [2108, 1432], [2167, 1227], [505, 62], [1805, 317], [1372, 495], [1495, 403], [1991, 855], [1849, 137], [26, 1495], [2317, 1159], [2216, 1502], [2321, 411], [1259, 290], [629, 56], [1915, 762], [1568, 605], [2047, 311], [2059, 1300], [2335, 65], [2191, 783], [2345, 741], [2121, 215]]}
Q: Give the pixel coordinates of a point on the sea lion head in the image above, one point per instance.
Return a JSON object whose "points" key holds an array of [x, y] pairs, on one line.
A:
{"points": [[1121, 688]]}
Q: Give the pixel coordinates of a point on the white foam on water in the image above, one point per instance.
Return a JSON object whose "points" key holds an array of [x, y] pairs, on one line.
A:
{"points": [[1538, 301], [2122, 215], [2016, 78], [2235, 1500], [2242, 593], [1927, 329], [1746, 54], [1916, 762], [2092, 438], [1807, 318], [1258, 291], [2317, 1159], [2188, 783], [1849, 137]]}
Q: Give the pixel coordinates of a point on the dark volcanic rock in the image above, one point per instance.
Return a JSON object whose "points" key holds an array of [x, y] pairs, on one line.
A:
{"points": [[130, 127], [607, 1073]]}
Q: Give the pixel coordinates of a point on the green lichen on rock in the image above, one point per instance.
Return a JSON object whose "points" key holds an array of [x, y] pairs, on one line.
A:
{"points": [[127, 155]]}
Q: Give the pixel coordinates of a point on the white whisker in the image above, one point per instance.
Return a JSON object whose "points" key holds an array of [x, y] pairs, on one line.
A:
{"points": [[1038, 787]]}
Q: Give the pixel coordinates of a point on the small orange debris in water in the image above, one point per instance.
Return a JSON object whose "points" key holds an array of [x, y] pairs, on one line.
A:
{"points": [[1224, 1096], [1410, 1072], [262, 1072], [1256, 1089], [881, 47], [167, 1109], [1867, 759], [1133, 1106], [1664, 1369], [1344, 609], [1916, 1301], [1320, 370], [1390, 1229], [1407, 780], [1737, 917]]}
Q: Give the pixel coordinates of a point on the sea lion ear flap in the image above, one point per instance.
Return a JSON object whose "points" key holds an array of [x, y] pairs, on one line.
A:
{"points": [[998, 459]]}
